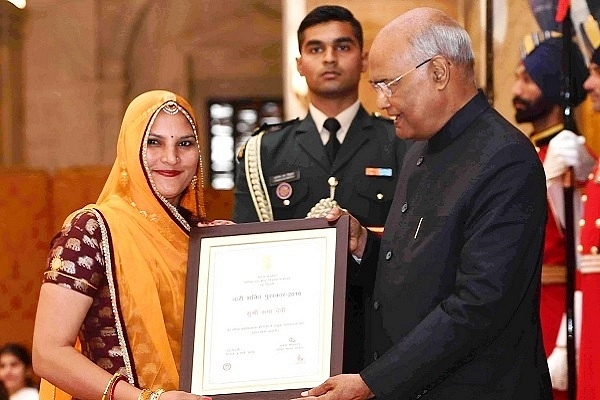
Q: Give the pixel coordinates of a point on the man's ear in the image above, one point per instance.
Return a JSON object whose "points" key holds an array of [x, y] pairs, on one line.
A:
{"points": [[299, 65], [441, 71], [364, 61]]}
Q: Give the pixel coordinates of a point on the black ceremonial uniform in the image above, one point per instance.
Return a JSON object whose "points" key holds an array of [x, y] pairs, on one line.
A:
{"points": [[366, 168], [296, 170]]}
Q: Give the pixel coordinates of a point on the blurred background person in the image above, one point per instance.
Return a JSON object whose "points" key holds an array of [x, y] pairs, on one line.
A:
{"points": [[588, 383], [16, 373]]}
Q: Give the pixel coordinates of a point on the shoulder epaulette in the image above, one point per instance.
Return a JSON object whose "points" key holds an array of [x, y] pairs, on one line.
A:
{"points": [[273, 127], [266, 128], [240, 154]]}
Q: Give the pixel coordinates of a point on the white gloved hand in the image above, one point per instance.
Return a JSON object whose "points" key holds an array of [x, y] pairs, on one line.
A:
{"points": [[557, 365], [566, 150], [557, 360]]}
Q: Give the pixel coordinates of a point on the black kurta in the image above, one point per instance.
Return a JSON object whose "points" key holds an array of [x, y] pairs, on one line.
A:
{"points": [[455, 308]]}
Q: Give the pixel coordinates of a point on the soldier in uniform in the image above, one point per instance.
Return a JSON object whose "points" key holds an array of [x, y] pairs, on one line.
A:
{"points": [[302, 166], [589, 353], [589, 261], [296, 160], [586, 319], [537, 100]]}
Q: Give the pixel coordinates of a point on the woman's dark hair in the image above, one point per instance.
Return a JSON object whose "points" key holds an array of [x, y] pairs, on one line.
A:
{"points": [[23, 355], [190, 217], [3, 392]]}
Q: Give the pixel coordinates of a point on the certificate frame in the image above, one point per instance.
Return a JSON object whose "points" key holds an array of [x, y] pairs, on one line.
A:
{"points": [[212, 245]]}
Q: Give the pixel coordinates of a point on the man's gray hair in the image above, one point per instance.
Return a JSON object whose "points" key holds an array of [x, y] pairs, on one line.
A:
{"points": [[448, 40]]}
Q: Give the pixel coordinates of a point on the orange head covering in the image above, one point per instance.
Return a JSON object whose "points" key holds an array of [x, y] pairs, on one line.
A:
{"points": [[129, 177]]}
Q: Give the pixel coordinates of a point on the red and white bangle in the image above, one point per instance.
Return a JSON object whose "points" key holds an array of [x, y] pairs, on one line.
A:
{"points": [[109, 391]]}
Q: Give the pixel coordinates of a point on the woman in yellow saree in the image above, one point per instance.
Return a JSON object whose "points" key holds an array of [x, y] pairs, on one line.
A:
{"points": [[116, 272]]}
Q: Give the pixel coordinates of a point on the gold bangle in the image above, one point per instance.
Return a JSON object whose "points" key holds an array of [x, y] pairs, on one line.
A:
{"points": [[145, 395], [110, 386], [156, 394]]}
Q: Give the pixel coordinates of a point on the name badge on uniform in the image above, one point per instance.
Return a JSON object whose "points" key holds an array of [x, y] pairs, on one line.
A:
{"points": [[374, 171], [285, 177]]}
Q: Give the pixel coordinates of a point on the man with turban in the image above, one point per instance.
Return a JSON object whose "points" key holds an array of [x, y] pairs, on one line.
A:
{"points": [[537, 98]]}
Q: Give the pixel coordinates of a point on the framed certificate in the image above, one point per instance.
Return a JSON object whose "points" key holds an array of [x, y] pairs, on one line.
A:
{"points": [[264, 308]]}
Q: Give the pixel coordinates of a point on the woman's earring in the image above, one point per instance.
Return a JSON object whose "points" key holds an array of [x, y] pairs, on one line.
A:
{"points": [[194, 182], [124, 176]]}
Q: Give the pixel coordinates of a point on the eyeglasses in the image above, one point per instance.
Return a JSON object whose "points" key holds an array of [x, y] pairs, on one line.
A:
{"points": [[386, 88]]}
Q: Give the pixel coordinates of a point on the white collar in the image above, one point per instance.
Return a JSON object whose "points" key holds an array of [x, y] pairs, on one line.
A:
{"points": [[345, 119]]}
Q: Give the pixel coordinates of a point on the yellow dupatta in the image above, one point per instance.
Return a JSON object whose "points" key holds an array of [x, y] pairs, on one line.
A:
{"points": [[149, 244]]}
